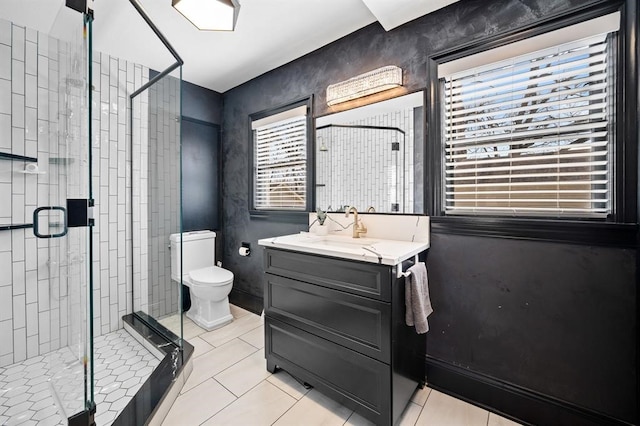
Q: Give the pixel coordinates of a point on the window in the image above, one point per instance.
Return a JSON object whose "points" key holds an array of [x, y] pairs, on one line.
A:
{"points": [[530, 133], [280, 159]]}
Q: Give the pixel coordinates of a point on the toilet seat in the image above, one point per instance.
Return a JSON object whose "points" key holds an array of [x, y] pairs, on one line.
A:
{"points": [[211, 276]]}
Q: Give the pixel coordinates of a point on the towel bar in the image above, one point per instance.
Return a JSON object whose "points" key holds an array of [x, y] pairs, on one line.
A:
{"points": [[400, 272]]}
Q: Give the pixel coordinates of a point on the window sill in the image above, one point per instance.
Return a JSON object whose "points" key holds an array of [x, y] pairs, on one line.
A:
{"points": [[564, 231], [301, 217]]}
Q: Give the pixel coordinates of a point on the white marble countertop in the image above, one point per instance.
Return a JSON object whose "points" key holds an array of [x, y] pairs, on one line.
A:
{"points": [[374, 250]]}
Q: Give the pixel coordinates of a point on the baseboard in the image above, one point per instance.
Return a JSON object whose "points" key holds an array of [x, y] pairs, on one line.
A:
{"points": [[246, 301], [508, 400]]}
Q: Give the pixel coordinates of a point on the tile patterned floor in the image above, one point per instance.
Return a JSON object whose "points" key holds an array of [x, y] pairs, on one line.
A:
{"points": [[230, 386], [121, 367]]}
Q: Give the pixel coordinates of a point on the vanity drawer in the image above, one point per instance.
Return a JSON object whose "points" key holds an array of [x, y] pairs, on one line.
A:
{"points": [[365, 279], [353, 321], [353, 379]]}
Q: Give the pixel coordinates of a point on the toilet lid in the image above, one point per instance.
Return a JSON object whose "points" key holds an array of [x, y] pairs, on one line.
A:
{"points": [[211, 275]]}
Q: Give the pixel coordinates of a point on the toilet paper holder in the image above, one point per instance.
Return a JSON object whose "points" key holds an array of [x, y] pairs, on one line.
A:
{"points": [[245, 249]]}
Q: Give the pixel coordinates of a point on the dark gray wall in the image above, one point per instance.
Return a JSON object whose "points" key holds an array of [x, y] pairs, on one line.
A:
{"points": [[201, 104], [575, 340], [554, 318], [201, 175], [200, 135]]}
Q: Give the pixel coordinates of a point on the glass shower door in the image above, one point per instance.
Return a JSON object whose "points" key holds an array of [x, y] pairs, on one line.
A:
{"points": [[64, 225]]}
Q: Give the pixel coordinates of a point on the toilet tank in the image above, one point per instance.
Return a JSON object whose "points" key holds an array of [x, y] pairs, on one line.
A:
{"points": [[198, 251]]}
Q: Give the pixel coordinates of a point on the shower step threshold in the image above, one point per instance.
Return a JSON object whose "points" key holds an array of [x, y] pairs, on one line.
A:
{"points": [[153, 400]]}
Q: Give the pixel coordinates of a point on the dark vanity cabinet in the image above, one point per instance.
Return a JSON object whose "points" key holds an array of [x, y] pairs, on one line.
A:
{"points": [[338, 325]]}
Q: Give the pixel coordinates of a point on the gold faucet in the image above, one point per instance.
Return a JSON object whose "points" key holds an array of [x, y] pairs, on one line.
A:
{"points": [[358, 229]]}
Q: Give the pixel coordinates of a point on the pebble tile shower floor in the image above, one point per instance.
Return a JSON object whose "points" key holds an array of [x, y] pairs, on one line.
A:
{"points": [[121, 367]]}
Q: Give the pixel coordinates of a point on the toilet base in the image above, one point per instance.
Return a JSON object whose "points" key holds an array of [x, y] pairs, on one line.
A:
{"points": [[210, 315], [210, 325]]}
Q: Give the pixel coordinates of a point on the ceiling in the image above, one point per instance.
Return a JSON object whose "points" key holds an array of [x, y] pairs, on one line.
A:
{"points": [[269, 33]]}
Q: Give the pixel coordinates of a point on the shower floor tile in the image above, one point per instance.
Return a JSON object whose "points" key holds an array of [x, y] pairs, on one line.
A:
{"points": [[121, 367]]}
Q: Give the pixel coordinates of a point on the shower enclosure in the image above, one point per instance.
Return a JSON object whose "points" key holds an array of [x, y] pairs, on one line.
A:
{"points": [[156, 201], [373, 159], [89, 193], [66, 223], [47, 179]]}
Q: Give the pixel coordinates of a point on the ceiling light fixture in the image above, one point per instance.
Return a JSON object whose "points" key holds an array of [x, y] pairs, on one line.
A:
{"points": [[209, 15], [371, 82]]}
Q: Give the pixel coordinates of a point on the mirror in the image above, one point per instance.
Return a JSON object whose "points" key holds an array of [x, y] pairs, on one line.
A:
{"points": [[372, 156]]}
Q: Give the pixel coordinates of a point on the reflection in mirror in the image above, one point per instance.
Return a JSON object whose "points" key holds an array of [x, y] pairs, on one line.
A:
{"points": [[372, 157]]}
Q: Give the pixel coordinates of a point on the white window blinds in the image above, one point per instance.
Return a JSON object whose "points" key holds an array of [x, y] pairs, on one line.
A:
{"points": [[530, 135], [280, 161]]}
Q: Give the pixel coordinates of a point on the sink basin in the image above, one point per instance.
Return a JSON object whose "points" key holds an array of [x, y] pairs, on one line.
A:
{"points": [[374, 250]]}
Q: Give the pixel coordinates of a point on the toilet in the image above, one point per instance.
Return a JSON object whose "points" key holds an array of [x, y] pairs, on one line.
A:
{"points": [[209, 285]]}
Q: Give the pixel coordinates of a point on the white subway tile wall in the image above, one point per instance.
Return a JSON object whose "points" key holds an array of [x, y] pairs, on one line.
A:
{"points": [[35, 296], [359, 167], [164, 193]]}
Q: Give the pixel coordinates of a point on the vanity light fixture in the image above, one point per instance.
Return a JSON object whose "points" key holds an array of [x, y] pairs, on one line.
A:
{"points": [[209, 15], [371, 82]]}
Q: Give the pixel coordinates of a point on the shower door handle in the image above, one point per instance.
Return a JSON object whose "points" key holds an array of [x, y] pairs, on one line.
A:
{"points": [[36, 222]]}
